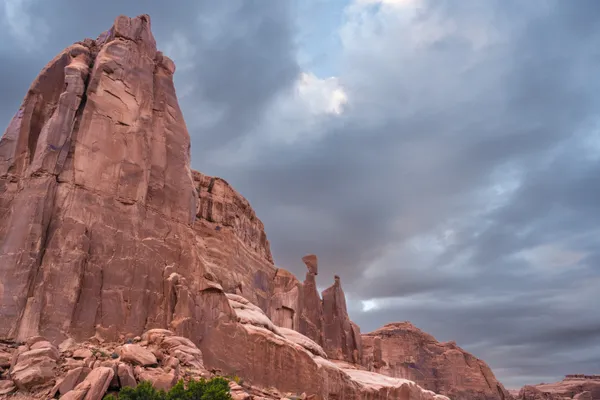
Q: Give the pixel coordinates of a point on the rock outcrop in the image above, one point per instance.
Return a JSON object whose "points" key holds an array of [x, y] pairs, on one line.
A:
{"points": [[39, 370], [531, 393], [97, 197], [342, 340], [311, 313], [107, 233], [403, 351], [572, 387], [293, 362], [232, 241]]}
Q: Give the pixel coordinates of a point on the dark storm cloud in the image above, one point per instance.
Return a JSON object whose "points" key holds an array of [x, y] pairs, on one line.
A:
{"points": [[239, 54], [428, 133], [458, 190]]}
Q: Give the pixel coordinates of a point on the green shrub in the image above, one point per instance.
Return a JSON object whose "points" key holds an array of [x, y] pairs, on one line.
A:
{"points": [[214, 389]]}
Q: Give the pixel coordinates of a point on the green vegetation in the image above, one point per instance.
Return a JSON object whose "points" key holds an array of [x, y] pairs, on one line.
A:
{"points": [[213, 389]]}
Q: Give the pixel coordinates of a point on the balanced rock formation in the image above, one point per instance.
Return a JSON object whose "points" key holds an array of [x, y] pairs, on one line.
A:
{"points": [[403, 351], [311, 317], [578, 387]]}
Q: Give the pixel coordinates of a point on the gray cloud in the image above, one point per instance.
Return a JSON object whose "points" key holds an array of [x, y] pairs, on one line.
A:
{"points": [[457, 189]]}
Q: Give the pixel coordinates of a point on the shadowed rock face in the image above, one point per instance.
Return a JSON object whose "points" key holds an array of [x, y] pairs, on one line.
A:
{"points": [[403, 351]]}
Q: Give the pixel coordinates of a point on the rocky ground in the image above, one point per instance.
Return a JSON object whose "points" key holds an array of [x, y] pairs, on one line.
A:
{"points": [[37, 369]]}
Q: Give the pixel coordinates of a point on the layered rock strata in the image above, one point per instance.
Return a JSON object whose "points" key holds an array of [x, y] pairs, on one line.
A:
{"points": [[403, 351]]}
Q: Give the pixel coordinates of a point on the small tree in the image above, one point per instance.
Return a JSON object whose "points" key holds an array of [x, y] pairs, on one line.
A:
{"points": [[213, 389]]}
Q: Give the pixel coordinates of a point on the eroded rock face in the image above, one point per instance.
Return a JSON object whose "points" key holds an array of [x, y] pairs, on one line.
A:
{"points": [[342, 340], [233, 241], [292, 362], [97, 199], [403, 351], [311, 312]]}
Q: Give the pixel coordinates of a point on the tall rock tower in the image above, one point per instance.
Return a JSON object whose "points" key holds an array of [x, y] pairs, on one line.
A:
{"points": [[96, 192]]}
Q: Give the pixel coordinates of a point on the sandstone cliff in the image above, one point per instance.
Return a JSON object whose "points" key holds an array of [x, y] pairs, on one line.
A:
{"points": [[106, 233], [403, 351]]}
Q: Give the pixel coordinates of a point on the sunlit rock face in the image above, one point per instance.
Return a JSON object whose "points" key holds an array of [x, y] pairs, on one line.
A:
{"points": [[97, 199]]}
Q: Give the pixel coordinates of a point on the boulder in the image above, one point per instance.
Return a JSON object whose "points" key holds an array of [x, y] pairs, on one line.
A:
{"points": [[30, 374], [160, 379], [6, 387], [79, 393], [73, 378], [311, 263], [238, 392], [82, 354], [126, 377], [96, 382], [5, 359], [35, 367], [67, 345], [136, 354]]}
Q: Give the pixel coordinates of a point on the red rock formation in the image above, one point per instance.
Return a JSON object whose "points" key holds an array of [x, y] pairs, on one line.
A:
{"points": [[403, 351], [105, 231], [97, 199], [232, 241], [342, 340], [531, 393], [311, 314], [294, 363], [573, 386]]}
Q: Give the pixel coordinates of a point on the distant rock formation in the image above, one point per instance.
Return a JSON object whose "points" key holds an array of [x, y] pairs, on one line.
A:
{"points": [[532, 393], [580, 387], [342, 340], [403, 351]]}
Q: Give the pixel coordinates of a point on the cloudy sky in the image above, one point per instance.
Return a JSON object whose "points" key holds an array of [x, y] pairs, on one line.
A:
{"points": [[442, 156]]}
